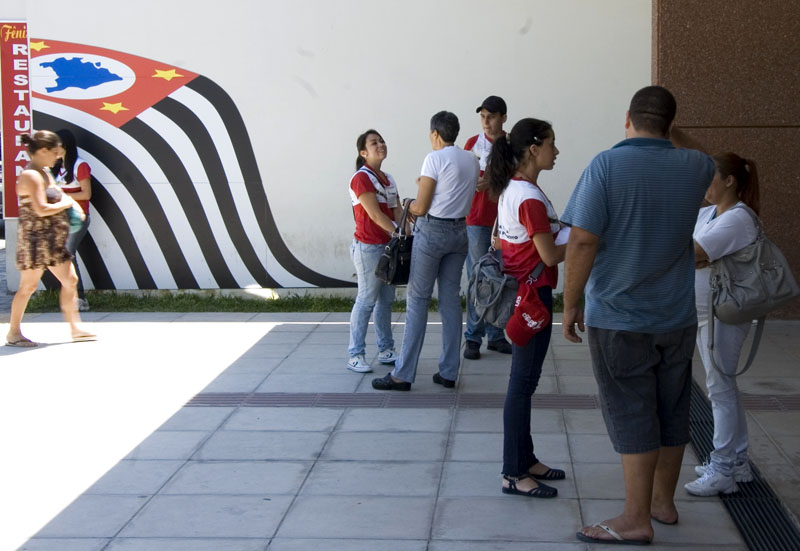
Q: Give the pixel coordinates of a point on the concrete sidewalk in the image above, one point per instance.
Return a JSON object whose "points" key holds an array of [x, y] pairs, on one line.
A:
{"points": [[103, 454], [243, 432]]}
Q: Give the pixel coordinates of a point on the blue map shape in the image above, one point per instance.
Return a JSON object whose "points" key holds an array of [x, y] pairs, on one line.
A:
{"points": [[76, 73]]}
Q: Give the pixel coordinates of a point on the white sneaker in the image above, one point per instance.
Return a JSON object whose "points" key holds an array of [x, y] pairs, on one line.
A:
{"points": [[711, 484], [83, 305], [358, 364], [741, 471], [388, 356]]}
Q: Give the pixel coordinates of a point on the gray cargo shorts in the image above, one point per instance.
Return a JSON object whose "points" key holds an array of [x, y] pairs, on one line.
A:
{"points": [[644, 381]]}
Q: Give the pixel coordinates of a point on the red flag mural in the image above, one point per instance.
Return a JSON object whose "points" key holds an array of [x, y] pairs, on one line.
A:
{"points": [[111, 86], [177, 197]]}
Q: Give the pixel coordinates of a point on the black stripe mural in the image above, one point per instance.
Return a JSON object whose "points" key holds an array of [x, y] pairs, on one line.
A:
{"points": [[177, 197]]}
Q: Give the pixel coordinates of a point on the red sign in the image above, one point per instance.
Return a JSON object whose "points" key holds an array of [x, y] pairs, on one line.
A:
{"points": [[15, 106]]}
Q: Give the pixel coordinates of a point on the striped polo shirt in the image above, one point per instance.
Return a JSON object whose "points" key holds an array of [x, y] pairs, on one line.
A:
{"points": [[641, 198]]}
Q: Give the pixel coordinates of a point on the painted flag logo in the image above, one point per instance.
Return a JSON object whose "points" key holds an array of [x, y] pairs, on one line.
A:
{"points": [[177, 197]]}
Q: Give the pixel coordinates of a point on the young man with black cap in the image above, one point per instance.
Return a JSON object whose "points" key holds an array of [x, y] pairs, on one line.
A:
{"points": [[480, 221]]}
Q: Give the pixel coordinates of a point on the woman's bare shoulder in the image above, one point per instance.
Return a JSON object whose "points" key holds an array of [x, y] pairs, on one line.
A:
{"points": [[28, 178]]}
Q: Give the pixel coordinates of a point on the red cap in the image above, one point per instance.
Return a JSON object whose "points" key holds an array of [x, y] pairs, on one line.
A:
{"points": [[530, 316]]}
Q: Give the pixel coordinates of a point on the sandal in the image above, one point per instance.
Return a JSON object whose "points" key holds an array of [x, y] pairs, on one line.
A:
{"points": [[542, 490], [550, 474]]}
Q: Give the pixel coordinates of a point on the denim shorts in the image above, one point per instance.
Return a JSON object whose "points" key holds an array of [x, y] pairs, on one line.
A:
{"points": [[644, 381]]}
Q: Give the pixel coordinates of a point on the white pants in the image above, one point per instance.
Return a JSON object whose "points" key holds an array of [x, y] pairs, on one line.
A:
{"points": [[730, 424]]}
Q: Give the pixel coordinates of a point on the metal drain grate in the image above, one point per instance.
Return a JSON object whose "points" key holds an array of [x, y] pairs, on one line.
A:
{"points": [[755, 509], [388, 400]]}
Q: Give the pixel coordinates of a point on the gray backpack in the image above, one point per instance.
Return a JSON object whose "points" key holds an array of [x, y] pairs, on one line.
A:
{"points": [[490, 291]]}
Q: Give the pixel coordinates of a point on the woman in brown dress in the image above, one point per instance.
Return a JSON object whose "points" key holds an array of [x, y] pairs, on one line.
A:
{"points": [[43, 227]]}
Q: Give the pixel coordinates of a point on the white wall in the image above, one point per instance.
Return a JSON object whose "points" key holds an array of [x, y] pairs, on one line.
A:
{"points": [[309, 76]]}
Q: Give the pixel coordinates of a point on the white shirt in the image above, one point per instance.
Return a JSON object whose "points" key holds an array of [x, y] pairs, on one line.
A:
{"points": [[719, 236], [481, 149], [456, 174]]}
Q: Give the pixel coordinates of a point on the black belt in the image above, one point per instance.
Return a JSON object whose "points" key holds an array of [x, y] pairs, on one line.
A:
{"points": [[432, 217]]}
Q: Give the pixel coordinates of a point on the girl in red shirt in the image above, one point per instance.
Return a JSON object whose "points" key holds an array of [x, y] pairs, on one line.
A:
{"points": [[74, 176], [376, 209], [527, 224]]}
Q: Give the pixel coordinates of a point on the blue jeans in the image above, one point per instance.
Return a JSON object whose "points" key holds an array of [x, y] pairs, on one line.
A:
{"points": [[526, 369], [373, 294], [480, 237], [73, 241], [730, 424], [440, 248]]}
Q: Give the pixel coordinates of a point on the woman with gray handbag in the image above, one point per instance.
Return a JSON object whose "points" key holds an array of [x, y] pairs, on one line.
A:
{"points": [[722, 229]]}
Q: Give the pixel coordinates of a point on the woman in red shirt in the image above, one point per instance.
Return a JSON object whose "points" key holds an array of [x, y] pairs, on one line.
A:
{"points": [[74, 176], [527, 224], [376, 209]]}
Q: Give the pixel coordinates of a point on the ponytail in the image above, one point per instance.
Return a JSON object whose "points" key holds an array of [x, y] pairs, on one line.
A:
{"points": [[745, 174], [509, 150], [501, 166]]}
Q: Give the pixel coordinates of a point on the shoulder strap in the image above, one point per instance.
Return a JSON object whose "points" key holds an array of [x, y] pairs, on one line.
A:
{"points": [[493, 236], [753, 347], [376, 182], [751, 212], [401, 226]]}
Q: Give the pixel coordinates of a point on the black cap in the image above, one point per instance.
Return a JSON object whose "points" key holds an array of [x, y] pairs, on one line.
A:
{"points": [[493, 104]]}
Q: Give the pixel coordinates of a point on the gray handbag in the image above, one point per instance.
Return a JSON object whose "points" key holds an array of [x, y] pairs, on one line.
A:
{"points": [[748, 284]]}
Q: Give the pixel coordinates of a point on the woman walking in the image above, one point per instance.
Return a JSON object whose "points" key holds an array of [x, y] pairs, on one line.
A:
{"points": [[42, 232]]}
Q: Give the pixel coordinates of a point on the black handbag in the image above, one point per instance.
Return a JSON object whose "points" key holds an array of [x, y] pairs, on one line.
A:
{"points": [[394, 266]]}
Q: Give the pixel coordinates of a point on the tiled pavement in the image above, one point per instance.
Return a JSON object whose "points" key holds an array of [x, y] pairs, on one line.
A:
{"points": [[100, 454]]}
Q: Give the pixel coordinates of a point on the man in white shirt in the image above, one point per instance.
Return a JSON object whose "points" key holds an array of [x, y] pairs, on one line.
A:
{"points": [[445, 189]]}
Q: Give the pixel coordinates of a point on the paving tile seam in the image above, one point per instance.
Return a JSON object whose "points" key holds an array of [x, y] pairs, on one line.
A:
{"points": [[441, 476], [149, 497], [786, 459], [313, 462], [779, 403]]}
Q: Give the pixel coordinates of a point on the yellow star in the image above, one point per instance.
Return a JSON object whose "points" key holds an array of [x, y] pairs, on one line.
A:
{"points": [[166, 75], [38, 46], [113, 107]]}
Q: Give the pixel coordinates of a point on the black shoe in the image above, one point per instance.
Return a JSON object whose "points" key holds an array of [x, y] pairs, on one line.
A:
{"points": [[542, 490], [550, 474], [500, 345], [439, 380], [472, 351], [387, 383]]}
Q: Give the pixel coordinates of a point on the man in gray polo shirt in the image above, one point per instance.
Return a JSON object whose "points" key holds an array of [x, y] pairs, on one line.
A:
{"points": [[632, 216]]}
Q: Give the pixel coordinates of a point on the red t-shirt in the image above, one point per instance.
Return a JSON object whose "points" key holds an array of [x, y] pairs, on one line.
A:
{"points": [[524, 210], [81, 171], [364, 181], [484, 209]]}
